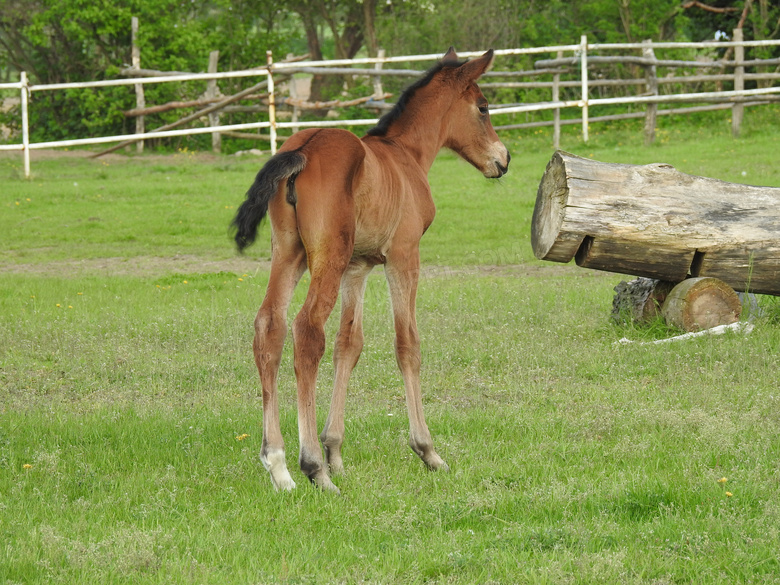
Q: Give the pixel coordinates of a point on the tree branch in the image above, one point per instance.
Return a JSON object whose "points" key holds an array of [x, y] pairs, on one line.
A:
{"points": [[708, 8]]}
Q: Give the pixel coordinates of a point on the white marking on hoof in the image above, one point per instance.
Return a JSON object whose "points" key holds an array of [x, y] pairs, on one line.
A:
{"points": [[275, 463]]}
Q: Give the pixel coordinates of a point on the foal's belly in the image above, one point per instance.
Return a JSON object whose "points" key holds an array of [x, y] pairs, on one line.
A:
{"points": [[371, 243]]}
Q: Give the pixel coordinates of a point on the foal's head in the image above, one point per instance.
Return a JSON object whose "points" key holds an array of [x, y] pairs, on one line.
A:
{"points": [[449, 93], [468, 130]]}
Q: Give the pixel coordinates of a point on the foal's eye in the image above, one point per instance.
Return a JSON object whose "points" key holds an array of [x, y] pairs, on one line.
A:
{"points": [[483, 110]]}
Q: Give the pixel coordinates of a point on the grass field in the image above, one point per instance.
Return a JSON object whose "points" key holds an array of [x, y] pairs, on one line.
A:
{"points": [[130, 411]]}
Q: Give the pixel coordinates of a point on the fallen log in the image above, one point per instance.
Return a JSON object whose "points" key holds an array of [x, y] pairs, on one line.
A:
{"points": [[657, 222]]}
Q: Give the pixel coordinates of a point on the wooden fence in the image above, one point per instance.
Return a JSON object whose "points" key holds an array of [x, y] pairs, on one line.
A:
{"points": [[572, 74]]}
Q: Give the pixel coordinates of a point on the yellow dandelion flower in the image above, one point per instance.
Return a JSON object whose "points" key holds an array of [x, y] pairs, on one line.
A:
{"points": [[722, 480], [70, 306], [27, 466], [184, 281], [241, 437], [729, 494], [241, 280], [59, 305]]}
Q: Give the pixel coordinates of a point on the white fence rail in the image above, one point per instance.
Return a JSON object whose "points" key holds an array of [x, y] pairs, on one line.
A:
{"points": [[581, 53]]}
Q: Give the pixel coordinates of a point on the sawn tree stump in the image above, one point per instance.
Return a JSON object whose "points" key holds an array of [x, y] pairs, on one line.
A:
{"points": [[701, 303], [657, 222]]}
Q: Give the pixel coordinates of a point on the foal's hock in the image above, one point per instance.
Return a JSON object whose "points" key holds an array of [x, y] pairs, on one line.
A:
{"points": [[339, 205]]}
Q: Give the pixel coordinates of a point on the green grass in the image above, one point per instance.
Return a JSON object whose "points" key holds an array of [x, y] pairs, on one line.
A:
{"points": [[126, 379]]}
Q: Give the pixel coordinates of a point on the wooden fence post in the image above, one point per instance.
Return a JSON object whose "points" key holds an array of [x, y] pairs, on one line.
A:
{"points": [[584, 67], [212, 91], [651, 112], [140, 100], [556, 96], [738, 109], [271, 101]]}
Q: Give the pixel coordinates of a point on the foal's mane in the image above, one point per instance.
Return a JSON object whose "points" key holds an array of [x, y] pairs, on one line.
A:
{"points": [[384, 123]]}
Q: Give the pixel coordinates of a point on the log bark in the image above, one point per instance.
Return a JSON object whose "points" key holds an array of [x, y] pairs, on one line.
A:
{"points": [[639, 300], [701, 303], [657, 222]]}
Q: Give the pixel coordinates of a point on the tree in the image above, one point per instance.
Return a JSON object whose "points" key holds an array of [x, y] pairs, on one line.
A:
{"points": [[349, 23]]}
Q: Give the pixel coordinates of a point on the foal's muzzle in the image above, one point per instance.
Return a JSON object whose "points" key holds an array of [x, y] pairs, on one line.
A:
{"points": [[502, 168]]}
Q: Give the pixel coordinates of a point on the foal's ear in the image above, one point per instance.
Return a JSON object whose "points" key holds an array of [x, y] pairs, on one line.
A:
{"points": [[450, 56], [472, 70]]}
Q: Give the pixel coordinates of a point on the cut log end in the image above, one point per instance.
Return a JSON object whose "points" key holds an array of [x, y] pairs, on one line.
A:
{"points": [[547, 241], [701, 303]]}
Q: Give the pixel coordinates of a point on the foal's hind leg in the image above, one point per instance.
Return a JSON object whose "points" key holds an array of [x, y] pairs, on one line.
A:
{"points": [[287, 265], [346, 352], [309, 346], [402, 274]]}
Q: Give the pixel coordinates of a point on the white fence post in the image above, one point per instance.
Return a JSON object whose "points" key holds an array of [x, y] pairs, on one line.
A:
{"points": [[271, 101], [584, 66], [25, 125]]}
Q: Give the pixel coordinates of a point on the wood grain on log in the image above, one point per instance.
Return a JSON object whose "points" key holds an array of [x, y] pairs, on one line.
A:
{"points": [[701, 303], [657, 222]]}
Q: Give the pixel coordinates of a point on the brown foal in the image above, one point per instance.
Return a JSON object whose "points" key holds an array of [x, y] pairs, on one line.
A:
{"points": [[339, 205]]}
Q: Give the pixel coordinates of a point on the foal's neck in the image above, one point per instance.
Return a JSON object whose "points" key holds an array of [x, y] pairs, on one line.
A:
{"points": [[420, 134]]}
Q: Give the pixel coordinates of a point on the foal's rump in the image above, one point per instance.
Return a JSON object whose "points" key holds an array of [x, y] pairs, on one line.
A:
{"points": [[323, 156]]}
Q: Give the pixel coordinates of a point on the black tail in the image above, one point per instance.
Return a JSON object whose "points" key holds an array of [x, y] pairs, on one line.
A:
{"points": [[282, 166]]}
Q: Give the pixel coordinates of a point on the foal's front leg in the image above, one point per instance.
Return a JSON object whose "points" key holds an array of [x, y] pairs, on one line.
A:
{"points": [[402, 278]]}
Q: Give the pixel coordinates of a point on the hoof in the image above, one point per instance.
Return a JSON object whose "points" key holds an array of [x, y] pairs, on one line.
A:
{"points": [[283, 484], [436, 463], [323, 482], [333, 459], [275, 463]]}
